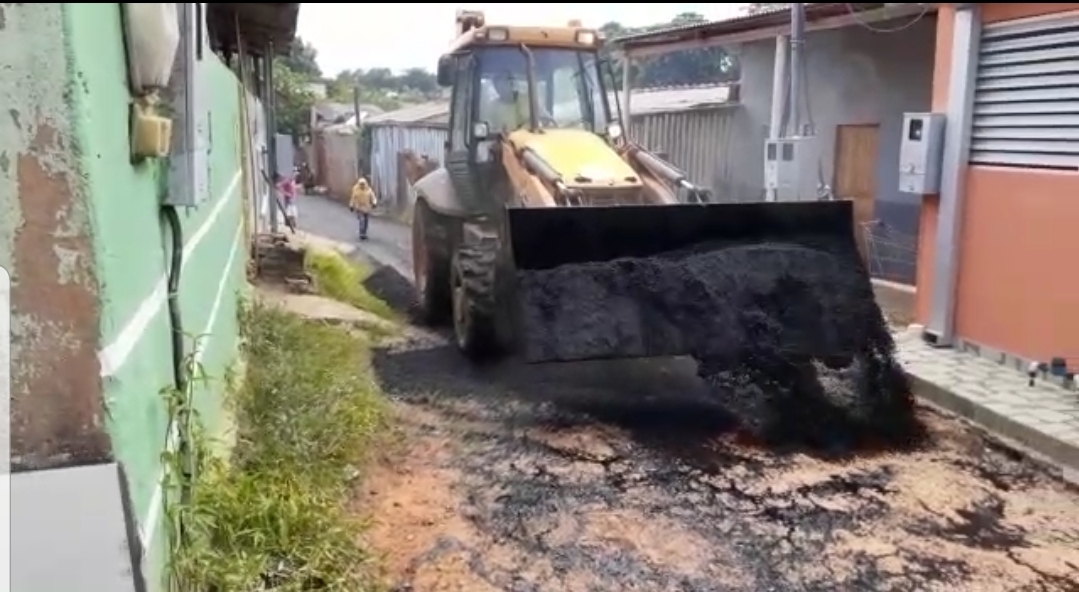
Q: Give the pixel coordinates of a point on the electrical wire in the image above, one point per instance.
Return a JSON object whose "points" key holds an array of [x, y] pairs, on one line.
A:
{"points": [[179, 371], [858, 21], [172, 218]]}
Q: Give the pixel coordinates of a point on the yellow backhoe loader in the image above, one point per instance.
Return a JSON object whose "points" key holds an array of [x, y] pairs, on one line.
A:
{"points": [[539, 174]]}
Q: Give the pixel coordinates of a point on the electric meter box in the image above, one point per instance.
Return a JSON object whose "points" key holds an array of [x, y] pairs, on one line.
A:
{"points": [[189, 180], [781, 167], [920, 153]]}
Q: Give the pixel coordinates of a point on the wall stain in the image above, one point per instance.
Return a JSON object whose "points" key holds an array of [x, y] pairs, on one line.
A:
{"points": [[57, 417]]}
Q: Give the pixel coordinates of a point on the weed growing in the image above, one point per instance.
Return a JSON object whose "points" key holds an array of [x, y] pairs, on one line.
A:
{"points": [[341, 279], [275, 517]]}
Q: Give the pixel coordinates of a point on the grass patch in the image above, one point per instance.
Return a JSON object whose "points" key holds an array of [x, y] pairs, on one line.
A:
{"points": [[341, 279], [277, 517]]}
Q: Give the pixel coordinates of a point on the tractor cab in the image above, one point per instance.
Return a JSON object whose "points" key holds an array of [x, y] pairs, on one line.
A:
{"points": [[507, 79]]}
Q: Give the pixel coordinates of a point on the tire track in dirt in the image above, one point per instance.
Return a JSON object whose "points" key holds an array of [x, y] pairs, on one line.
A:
{"points": [[626, 476]]}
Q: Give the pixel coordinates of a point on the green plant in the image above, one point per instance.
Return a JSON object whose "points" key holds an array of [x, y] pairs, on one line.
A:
{"points": [[183, 464], [341, 279], [276, 516]]}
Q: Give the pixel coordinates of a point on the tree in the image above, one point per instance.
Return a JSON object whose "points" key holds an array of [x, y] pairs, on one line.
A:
{"points": [[302, 58], [380, 86], [294, 99], [692, 66], [420, 80]]}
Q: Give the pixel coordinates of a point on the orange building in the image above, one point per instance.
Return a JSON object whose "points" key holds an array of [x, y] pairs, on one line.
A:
{"points": [[998, 248]]}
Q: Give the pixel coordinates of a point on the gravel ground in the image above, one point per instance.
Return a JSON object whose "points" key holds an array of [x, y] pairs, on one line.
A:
{"points": [[612, 476]]}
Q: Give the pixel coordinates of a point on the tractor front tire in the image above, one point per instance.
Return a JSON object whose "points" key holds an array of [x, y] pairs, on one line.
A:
{"points": [[431, 265], [472, 277]]}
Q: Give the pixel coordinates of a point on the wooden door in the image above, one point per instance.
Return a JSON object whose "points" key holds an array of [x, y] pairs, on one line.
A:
{"points": [[856, 172]]}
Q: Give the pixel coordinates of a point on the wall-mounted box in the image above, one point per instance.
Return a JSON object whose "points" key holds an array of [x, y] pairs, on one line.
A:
{"points": [[781, 167], [189, 180], [920, 153]]}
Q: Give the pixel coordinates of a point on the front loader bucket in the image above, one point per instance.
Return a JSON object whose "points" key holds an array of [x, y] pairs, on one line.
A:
{"points": [[583, 272]]}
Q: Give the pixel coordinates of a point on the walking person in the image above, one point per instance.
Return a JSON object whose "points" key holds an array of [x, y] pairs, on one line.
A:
{"points": [[288, 188], [363, 200]]}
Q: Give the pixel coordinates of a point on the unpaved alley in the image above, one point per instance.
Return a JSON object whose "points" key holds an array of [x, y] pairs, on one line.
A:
{"points": [[625, 476]]}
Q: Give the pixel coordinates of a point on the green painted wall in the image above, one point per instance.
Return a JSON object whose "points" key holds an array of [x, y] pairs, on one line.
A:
{"points": [[131, 253]]}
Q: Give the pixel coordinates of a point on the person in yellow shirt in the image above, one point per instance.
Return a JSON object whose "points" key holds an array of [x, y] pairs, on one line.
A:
{"points": [[362, 201], [509, 110]]}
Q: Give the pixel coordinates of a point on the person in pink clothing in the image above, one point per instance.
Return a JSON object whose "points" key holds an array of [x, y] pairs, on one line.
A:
{"points": [[289, 189]]}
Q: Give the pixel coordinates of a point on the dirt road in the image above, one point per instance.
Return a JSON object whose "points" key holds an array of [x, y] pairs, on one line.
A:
{"points": [[625, 476]]}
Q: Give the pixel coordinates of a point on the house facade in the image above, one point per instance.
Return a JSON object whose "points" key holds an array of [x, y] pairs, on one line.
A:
{"points": [[862, 70], [986, 258], [997, 246], [83, 237]]}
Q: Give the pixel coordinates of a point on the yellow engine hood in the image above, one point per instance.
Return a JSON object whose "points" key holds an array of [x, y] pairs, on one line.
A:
{"points": [[582, 158]]}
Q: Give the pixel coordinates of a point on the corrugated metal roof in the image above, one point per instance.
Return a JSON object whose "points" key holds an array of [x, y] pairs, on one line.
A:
{"points": [[435, 113], [747, 22], [705, 25], [259, 24], [331, 111], [642, 102]]}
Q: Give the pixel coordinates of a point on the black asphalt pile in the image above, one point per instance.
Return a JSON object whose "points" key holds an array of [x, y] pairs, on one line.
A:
{"points": [[388, 285], [788, 336]]}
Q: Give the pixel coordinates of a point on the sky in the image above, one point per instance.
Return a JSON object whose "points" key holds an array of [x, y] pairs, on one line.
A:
{"points": [[401, 36]]}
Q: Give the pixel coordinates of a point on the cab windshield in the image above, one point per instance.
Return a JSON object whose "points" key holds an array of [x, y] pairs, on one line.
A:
{"points": [[568, 89]]}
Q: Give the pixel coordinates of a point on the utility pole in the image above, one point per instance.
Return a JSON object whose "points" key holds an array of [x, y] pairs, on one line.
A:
{"points": [[359, 142], [269, 103], [797, 42]]}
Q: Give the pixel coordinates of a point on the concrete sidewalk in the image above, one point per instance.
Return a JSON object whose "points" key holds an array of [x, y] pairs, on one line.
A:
{"points": [[1043, 418]]}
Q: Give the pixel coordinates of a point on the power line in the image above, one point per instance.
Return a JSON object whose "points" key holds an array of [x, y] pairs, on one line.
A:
{"points": [[858, 20]]}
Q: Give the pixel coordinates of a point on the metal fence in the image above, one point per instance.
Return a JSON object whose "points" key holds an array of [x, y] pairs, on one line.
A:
{"points": [[892, 254], [388, 141], [258, 187], [696, 141]]}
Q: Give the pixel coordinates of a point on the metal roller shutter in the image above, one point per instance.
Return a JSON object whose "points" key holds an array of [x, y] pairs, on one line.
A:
{"points": [[1026, 98]]}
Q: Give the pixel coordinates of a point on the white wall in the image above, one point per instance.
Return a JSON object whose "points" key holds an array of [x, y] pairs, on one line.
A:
{"points": [[854, 76]]}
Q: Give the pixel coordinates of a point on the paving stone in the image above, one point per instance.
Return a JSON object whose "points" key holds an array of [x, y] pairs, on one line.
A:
{"points": [[1060, 429], [1005, 408], [1044, 417]]}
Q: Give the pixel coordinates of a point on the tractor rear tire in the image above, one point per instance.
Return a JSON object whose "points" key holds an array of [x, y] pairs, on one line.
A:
{"points": [[475, 309], [431, 254]]}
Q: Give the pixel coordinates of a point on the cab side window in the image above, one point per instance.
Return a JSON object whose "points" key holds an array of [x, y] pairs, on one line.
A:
{"points": [[462, 104]]}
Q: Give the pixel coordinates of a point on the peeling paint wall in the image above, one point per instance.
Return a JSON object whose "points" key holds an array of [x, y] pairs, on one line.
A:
{"points": [[46, 243], [81, 232]]}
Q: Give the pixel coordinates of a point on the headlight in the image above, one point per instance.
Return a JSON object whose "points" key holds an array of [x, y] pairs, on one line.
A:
{"points": [[498, 34], [586, 37], [614, 131]]}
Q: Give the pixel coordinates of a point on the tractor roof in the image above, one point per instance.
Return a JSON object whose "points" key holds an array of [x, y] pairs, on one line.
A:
{"points": [[571, 37]]}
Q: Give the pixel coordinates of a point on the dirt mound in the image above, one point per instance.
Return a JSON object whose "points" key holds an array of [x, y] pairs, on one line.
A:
{"points": [[788, 336]]}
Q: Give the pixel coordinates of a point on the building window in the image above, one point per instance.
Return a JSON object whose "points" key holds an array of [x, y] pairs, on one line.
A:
{"points": [[1026, 97]]}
